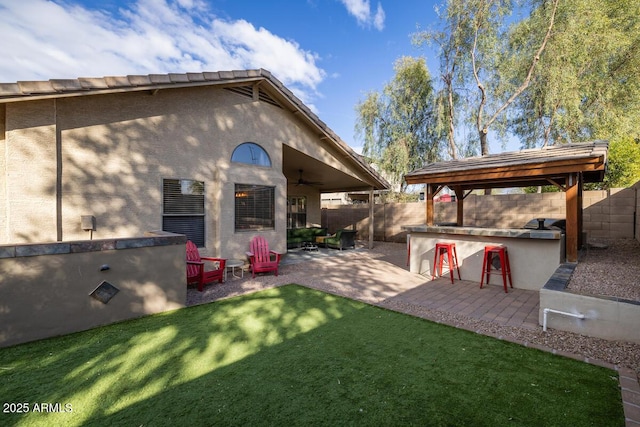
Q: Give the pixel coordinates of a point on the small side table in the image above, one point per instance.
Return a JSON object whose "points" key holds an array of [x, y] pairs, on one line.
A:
{"points": [[233, 264], [309, 246]]}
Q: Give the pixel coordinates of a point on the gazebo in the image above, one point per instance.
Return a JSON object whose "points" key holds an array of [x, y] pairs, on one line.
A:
{"points": [[566, 166]]}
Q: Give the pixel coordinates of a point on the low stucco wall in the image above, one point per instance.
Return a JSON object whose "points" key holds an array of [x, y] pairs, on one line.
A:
{"points": [[605, 317], [45, 288], [533, 260]]}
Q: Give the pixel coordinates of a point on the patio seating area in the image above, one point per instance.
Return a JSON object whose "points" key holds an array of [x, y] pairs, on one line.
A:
{"points": [[384, 279]]}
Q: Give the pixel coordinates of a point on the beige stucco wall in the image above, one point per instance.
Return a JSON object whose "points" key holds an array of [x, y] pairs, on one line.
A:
{"points": [[3, 175], [106, 156], [533, 261], [45, 288], [607, 318], [30, 172]]}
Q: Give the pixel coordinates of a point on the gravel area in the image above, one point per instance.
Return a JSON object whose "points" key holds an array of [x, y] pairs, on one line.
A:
{"points": [[609, 268], [382, 273]]}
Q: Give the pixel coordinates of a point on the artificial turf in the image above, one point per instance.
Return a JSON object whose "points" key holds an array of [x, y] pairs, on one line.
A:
{"points": [[295, 356]]}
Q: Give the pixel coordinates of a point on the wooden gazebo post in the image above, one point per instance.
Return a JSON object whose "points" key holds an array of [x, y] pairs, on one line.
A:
{"points": [[460, 205], [572, 216], [429, 203], [371, 218]]}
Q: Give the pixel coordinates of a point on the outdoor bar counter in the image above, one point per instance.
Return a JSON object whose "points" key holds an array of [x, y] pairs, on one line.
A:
{"points": [[534, 254]]}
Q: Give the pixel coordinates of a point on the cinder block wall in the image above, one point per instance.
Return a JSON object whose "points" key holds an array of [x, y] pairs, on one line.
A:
{"points": [[610, 214], [606, 214]]}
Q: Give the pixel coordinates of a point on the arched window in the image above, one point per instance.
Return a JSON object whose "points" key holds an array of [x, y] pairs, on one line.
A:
{"points": [[252, 154]]}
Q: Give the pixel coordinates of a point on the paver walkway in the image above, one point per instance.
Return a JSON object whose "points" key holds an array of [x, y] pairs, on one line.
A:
{"points": [[519, 307]]}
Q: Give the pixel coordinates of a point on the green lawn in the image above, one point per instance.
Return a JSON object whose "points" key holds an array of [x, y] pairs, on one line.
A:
{"points": [[295, 356]]}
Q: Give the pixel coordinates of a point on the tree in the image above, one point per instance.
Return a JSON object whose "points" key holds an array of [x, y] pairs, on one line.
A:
{"points": [[452, 43], [623, 165], [478, 54], [399, 125], [587, 85], [473, 44]]}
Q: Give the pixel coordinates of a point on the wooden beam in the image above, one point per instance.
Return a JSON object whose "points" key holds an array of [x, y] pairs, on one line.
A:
{"points": [[571, 236], [460, 205], [557, 184], [429, 204], [371, 225], [486, 174], [580, 220]]}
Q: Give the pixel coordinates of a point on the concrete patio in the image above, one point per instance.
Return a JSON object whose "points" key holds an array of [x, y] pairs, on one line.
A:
{"points": [[517, 308]]}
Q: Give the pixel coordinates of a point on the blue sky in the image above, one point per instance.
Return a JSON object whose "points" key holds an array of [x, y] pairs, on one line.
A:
{"points": [[330, 53]]}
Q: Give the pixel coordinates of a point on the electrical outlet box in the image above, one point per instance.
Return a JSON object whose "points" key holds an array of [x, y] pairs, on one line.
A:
{"points": [[88, 222]]}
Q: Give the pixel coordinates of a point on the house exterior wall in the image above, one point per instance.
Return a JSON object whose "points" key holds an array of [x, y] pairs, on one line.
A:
{"points": [[29, 202], [106, 156], [3, 174]]}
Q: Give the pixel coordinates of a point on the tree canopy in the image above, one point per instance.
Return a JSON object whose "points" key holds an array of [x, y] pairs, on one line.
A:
{"points": [[540, 71], [399, 125], [588, 84]]}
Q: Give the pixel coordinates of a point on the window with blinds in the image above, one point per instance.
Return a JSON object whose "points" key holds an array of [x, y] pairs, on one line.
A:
{"points": [[183, 208], [255, 207]]}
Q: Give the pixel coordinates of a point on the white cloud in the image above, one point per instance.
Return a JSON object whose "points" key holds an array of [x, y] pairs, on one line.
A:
{"points": [[44, 40], [361, 10]]}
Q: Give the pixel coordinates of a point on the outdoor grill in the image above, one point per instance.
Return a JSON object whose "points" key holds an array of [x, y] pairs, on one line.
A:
{"points": [[547, 224]]}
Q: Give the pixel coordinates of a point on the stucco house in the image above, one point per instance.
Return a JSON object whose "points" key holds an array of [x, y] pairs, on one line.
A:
{"points": [[218, 156]]}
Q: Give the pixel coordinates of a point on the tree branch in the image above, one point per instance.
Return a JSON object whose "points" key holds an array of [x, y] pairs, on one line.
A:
{"points": [[527, 80]]}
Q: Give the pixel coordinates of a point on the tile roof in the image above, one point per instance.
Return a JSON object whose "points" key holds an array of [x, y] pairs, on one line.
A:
{"points": [[524, 168], [555, 153], [22, 90]]}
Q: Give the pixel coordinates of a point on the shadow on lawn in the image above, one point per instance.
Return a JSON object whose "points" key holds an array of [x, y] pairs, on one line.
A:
{"points": [[291, 355], [108, 369]]}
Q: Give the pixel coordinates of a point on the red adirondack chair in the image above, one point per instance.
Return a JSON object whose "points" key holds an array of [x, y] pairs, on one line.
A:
{"points": [[261, 259], [196, 272]]}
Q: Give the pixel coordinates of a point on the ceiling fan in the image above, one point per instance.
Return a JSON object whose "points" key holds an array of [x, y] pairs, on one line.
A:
{"points": [[305, 182]]}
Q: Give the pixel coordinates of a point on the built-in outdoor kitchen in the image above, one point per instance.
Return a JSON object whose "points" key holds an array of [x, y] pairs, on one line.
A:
{"points": [[534, 251], [534, 255]]}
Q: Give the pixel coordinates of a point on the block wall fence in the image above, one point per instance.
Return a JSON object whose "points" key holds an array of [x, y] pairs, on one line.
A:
{"points": [[611, 214]]}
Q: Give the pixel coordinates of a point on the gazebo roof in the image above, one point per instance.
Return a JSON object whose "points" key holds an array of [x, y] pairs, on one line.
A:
{"points": [[549, 165]]}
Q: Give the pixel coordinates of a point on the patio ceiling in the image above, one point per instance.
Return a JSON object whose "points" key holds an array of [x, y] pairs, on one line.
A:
{"points": [[324, 177]]}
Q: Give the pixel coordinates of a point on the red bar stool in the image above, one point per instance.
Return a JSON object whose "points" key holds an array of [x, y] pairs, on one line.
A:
{"points": [[505, 267], [443, 249]]}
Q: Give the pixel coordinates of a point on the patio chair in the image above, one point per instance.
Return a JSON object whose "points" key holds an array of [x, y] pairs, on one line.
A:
{"points": [[261, 259], [196, 272]]}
